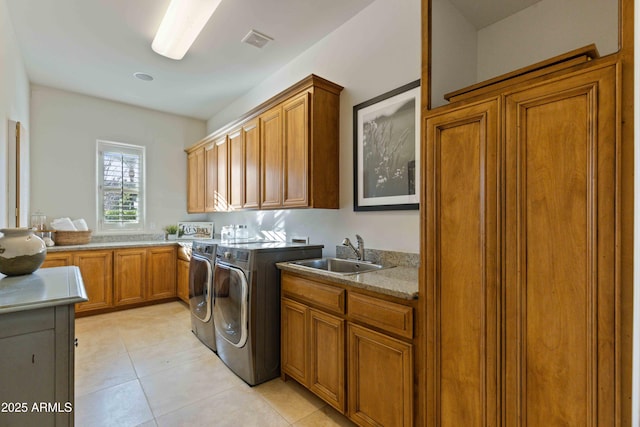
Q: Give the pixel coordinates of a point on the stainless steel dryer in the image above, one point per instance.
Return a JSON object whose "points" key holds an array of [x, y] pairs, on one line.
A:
{"points": [[201, 265], [246, 312]]}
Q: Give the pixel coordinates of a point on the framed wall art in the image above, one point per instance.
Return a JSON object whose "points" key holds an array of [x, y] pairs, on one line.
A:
{"points": [[386, 151]]}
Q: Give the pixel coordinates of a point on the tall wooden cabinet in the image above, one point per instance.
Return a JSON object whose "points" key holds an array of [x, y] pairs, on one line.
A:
{"points": [[521, 259]]}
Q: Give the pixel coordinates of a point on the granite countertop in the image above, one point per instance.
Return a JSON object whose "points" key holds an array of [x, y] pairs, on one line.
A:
{"points": [[43, 288], [400, 281], [116, 245]]}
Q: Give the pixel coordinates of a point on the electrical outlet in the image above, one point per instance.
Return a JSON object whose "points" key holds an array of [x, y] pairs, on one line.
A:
{"points": [[299, 239]]}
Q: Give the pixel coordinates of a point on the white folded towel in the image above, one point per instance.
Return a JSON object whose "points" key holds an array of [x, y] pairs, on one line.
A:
{"points": [[80, 224], [63, 224]]}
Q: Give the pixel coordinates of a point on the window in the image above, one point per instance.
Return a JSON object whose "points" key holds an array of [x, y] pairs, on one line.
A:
{"points": [[120, 186]]}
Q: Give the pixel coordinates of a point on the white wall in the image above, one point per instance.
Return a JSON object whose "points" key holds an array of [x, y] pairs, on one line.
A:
{"points": [[462, 55], [63, 154], [544, 30], [376, 51], [14, 105], [454, 54]]}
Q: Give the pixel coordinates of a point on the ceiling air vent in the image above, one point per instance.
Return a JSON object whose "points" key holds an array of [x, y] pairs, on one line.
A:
{"points": [[256, 39]]}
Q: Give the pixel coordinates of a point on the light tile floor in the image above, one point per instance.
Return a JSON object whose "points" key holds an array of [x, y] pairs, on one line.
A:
{"points": [[144, 367]]}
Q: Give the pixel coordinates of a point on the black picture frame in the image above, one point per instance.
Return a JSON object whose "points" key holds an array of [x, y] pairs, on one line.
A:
{"points": [[386, 151]]}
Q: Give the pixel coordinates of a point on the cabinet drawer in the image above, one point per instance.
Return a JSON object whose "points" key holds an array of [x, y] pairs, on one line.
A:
{"points": [[392, 317], [325, 296], [24, 322]]}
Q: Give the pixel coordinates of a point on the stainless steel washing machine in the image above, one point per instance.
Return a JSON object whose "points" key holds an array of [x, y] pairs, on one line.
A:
{"points": [[246, 311], [201, 270]]}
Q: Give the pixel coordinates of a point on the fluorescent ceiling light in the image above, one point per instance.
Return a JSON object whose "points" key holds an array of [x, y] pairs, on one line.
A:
{"points": [[181, 25]]}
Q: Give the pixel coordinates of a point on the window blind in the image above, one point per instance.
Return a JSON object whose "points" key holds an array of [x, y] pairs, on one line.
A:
{"points": [[121, 185]]}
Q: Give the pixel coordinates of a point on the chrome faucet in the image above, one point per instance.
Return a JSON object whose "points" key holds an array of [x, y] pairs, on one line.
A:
{"points": [[359, 251]]}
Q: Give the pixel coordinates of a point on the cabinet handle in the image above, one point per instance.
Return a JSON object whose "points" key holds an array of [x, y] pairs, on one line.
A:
{"points": [[33, 359]]}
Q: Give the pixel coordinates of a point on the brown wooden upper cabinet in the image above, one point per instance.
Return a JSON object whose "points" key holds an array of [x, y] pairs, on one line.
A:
{"points": [[221, 168], [271, 158], [282, 154], [236, 169], [210, 176], [251, 166], [196, 181], [295, 138], [244, 166]]}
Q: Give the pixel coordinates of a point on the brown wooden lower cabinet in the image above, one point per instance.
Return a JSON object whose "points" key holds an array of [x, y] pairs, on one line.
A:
{"points": [[121, 278], [294, 331], [96, 268], [380, 378], [358, 357], [182, 280], [326, 375], [313, 351], [129, 277], [57, 259], [161, 272]]}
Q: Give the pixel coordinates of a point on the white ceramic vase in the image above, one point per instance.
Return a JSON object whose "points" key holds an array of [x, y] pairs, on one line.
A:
{"points": [[21, 251]]}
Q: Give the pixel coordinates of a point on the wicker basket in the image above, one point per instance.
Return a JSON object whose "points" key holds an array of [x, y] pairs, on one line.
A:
{"points": [[66, 238]]}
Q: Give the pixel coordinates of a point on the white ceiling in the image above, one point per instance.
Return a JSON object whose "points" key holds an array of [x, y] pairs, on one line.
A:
{"points": [[94, 47], [482, 13]]}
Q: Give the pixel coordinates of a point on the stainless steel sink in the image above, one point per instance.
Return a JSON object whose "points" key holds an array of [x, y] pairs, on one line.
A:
{"points": [[339, 266]]}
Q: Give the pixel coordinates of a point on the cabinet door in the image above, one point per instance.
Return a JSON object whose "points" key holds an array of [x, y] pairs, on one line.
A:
{"points": [[295, 116], [462, 231], [211, 177], [380, 379], [236, 169], [182, 280], [57, 259], [195, 181], [251, 136], [222, 170], [327, 358], [161, 272], [129, 266], [28, 375], [96, 270], [271, 158], [295, 341], [561, 146]]}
